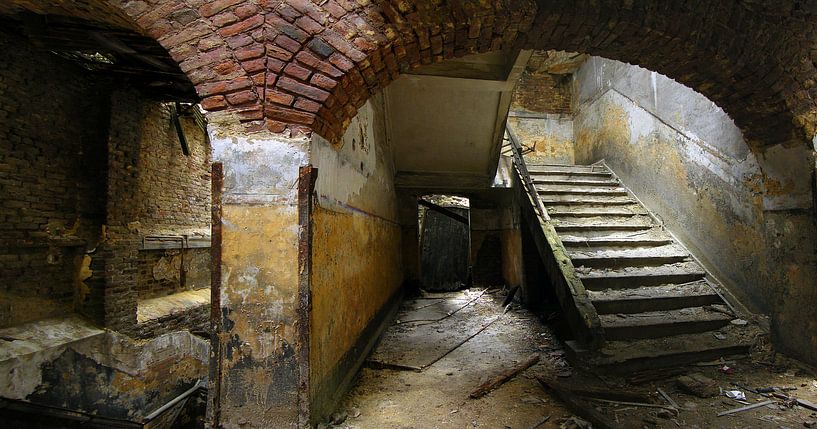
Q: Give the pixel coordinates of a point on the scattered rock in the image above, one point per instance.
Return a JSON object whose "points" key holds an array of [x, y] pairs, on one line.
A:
{"points": [[810, 424], [698, 385], [354, 412], [739, 322], [338, 418], [665, 414], [575, 423]]}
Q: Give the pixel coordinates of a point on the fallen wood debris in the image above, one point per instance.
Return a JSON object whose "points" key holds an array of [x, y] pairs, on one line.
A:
{"points": [[746, 408], [500, 379], [639, 404], [540, 422], [699, 385], [580, 407], [668, 398], [592, 392]]}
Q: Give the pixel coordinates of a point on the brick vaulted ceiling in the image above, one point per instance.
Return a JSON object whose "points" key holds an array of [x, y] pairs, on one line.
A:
{"points": [[307, 65]]}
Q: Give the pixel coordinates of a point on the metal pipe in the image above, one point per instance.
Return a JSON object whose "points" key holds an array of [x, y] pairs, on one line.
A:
{"points": [[173, 402]]}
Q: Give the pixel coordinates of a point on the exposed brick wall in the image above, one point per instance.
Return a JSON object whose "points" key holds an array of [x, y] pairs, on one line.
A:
{"points": [[154, 190], [542, 93], [52, 176], [160, 271], [174, 189]]}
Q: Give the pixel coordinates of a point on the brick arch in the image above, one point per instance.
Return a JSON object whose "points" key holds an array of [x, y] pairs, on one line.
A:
{"points": [[307, 65]]}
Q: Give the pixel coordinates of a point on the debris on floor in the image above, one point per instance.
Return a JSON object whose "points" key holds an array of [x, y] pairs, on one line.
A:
{"points": [[446, 347]]}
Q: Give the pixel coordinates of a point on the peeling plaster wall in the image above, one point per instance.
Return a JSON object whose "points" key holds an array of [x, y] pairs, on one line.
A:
{"points": [[549, 137], [255, 381], [356, 252], [748, 216]]}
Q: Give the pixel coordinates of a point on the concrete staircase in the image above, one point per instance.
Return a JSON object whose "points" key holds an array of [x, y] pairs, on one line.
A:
{"points": [[656, 305]]}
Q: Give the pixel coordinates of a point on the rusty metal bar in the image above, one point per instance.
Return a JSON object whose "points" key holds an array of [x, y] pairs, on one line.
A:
{"points": [[216, 322], [307, 175], [444, 211], [519, 162]]}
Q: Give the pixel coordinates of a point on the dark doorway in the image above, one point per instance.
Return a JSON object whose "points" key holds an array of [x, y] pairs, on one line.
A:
{"points": [[445, 242]]}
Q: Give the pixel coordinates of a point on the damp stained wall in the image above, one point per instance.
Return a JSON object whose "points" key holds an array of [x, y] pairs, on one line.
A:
{"points": [[747, 215], [255, 379], [356, 252]]}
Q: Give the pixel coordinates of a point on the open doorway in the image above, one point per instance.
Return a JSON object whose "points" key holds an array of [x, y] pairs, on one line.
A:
{"points": [[445, 242]]}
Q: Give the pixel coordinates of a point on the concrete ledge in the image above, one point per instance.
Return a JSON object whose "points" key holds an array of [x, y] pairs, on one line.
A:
{"points": [[171, 305]]}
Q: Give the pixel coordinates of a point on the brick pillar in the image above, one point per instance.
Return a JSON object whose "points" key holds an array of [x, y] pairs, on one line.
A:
{"points": [[255, 360]]}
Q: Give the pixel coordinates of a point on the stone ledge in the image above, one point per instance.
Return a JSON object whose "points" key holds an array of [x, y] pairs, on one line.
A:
{"points": [[171, 305]]}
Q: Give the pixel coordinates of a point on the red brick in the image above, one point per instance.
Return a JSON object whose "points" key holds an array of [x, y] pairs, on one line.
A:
{"points": [[323, 82], [278, 52], [289, 115], [253, 66], [341, 62], [308, 91], [279, 97], [217, 102], [214, 7], [314, 62], [308, 105], [309, 25], [287, 43], [246, 10], [223, 87], [249, 52], [297, 71], [242, 26], [242, 97], [224, 19]]}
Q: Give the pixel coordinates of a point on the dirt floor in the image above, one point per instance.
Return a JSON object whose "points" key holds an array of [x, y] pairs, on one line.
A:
{"points": [[442, 347]]}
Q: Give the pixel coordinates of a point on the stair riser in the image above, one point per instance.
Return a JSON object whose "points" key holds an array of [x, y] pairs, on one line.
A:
{"points": [[650, 261], [573, 203], [576, 182], [589, 191], [612, 244], [605, 228], [601, 283], [640, 305], [662, 330], [581, 215], [668, 361]]}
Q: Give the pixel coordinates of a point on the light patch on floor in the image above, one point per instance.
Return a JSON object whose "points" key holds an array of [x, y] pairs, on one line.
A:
{"points": [[155, 308]]}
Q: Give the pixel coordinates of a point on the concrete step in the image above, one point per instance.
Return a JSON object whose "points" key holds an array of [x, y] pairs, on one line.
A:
{"points": [[570, 175], [572, 242], [633, 277], [592, 213], [568, 168], [574, 181], [578, 190], [605, 228], [637, 355], [654, 298], [630, 257], [574, 200], [608, 220], [655, 324]]}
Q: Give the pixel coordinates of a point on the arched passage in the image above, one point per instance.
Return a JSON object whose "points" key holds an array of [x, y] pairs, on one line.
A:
{"points": [[288, 69]]}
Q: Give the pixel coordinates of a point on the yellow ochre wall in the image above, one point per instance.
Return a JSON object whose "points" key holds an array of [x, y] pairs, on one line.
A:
{"points": [[356, 253]]}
